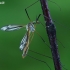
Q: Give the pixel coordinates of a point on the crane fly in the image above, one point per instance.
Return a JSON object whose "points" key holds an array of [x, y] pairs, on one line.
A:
{"points": [[24, 45]]}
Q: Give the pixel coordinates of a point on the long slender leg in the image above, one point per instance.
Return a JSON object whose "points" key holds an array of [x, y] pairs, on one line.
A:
{"points": [[27, 8], [31, 37], [37, 18], [40, 61], [45, 56], [40, 54], [42, 38], [54, 21], [45, 27], [40, 15], [60, 43], [55, 4], [35, 3], [57, 39], [64, 67], [61, 25]]}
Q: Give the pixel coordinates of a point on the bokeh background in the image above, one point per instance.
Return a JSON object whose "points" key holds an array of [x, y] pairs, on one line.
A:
{"points": [[13, 12]]}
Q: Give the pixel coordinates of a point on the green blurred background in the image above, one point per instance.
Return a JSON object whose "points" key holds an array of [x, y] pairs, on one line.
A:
{"points": [[12, 12]]}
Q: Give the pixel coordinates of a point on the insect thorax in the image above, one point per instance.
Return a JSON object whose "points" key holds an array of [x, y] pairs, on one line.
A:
{"points": [[31, 27]]}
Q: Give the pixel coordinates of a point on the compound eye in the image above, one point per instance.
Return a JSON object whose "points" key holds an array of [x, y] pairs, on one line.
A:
{"points": [[37, 22]]}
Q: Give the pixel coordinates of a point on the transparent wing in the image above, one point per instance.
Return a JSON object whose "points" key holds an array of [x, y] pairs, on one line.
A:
{"points": [[23, 42], [24, 45], [11, 27]]}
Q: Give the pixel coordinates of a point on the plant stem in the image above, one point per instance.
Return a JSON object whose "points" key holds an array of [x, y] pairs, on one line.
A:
{"points": [[51, 31]]}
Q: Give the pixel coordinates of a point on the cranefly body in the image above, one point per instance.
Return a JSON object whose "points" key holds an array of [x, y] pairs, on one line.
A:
{"points": [[24, 45], [30, 28]]}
